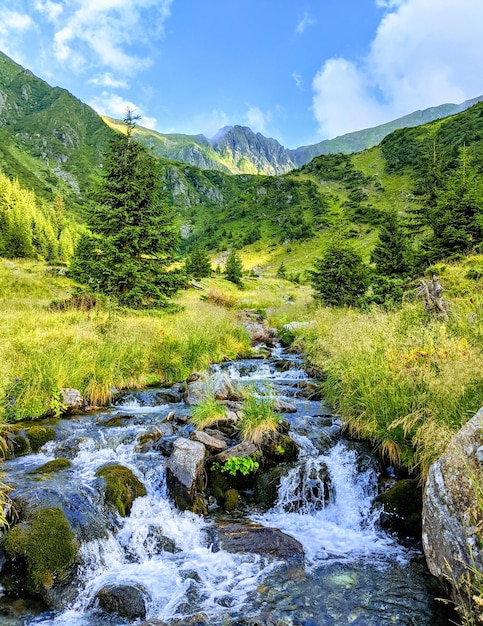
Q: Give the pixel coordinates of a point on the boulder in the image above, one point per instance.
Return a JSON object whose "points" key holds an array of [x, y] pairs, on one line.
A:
{"points": [[124, 600], [219, 384], [122, 487], [72, 400], [184, 472], [254, 538], [452, 507], [212, 443], [245, 448]]}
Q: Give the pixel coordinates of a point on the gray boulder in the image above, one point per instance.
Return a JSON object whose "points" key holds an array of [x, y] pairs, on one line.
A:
{"points": [[184, 473], [124, 600], [452, 515]]}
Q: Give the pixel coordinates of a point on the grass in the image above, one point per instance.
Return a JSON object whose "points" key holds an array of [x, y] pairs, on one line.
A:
{"points": [[400, 379], [258, 418], [43, 350], [209, 410]]}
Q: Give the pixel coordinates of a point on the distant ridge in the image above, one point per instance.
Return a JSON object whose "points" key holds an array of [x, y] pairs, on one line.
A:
{"points": [[238, 150]]}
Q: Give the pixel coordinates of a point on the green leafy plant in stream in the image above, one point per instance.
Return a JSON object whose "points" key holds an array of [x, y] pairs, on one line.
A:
{"points": [[237, 464], [258, 416]]}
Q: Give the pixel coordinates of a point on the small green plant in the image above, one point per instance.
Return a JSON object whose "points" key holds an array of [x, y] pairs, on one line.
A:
{"points": [[237, 464], [207, 411], [57, 405]]}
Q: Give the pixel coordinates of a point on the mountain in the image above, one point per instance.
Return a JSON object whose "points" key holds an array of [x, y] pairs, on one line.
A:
{"points": [[238, 150], [49, 140]]}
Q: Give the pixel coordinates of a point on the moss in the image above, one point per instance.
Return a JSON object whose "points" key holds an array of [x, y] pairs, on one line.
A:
{"points": [[403, 507], [122, 487], [231, 498], [39, 435], [19, 445], [52, 466], [44, 547]]}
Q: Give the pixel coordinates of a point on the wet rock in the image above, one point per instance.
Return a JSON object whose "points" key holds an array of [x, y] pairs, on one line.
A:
{"points": [[452, 515], [219, 384], [184, 472], [230, 499], [165, 429], [125, 600], [122, 487], [52, 466], [164, 446], [37, 435], [310, 390], [236, 537], [280, 449], [402, 507], [282, 406], [212, 443], [266, 486], [245, 448], [72, 400]]}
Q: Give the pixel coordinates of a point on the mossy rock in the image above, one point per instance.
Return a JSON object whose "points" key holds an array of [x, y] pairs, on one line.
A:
{"points": [[18, 446], [41, 549], [230, 499], [266, 486], [122, 487], [52, 466], [403, 503], [282, 449], [39, 435]]}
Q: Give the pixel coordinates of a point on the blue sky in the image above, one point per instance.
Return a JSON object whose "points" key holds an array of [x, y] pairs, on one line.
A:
{"points": [[296, 71]]}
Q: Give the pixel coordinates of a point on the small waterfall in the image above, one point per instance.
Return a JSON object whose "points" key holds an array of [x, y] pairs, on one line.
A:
{"points": [[326, 504]]}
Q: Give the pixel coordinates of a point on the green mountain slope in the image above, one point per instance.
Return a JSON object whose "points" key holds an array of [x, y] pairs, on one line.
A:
{"points": [[50, 141]]}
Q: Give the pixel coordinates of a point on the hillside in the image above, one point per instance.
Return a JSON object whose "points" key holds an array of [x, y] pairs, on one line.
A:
{"points": [[49, 140]]}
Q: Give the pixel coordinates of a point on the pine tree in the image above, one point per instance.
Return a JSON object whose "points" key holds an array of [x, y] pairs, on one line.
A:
{"points": [[339, 277], [390, 252], [134, 232], [234, 268], [198, 263]]}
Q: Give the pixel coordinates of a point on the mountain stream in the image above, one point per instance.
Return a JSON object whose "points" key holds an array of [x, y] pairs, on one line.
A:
{"points": [[351, 572]]}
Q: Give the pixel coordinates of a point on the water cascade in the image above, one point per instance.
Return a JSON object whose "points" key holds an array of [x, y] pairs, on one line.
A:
{"points": [[172, 563]]}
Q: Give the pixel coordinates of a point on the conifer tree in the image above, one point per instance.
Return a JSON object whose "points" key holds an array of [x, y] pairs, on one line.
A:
{"points": [[234, 268], [390, 252], [198, 263], [339, 277], [134, 232]]}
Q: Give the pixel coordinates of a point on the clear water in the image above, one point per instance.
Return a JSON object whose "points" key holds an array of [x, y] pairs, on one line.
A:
{"points": [[353, 573]]}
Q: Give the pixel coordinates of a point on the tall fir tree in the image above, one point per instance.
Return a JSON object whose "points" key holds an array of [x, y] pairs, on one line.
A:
{"points": [[390, 254], [134, 233], [339, 277]]}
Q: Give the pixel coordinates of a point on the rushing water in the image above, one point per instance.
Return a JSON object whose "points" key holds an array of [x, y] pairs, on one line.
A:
{"points": [[352, 573]]}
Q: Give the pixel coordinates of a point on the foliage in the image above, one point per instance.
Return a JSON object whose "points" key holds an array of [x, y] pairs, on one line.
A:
{"points": [[209, 410], [238, 464], [390, 252], [339, 276], [258, 417], [402, 381], [29, 229], [132, 250], [198, 264], [234, 268]]}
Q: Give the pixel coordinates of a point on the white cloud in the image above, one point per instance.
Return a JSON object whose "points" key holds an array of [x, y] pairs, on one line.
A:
{"points": [[258, 120], [113, 105], [104, 33], [305, 22], [107, 80], [425, 53], [298, 80]]}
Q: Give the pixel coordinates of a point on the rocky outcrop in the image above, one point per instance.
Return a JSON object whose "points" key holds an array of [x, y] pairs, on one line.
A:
{"points": [[452, 512]]}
